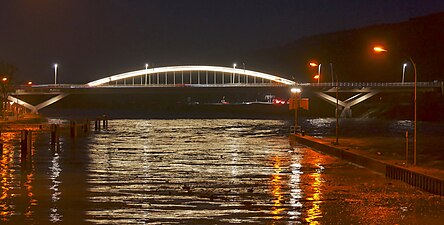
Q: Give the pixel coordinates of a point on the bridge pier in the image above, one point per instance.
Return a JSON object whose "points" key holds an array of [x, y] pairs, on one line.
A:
{"points": [[346, 113], [348, 103]]}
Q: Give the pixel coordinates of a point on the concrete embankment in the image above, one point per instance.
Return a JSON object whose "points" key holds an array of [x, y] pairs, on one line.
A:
{"points": [[429, 180]]}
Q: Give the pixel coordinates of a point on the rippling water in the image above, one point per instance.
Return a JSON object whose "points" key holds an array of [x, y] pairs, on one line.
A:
{"points": [[197, 171]]}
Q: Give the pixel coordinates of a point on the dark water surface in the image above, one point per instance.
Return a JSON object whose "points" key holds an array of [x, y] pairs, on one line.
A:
{"points": [[198, 172]]}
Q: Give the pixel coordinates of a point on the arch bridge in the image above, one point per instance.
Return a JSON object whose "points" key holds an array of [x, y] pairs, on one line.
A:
{"points": [[215, 76], [172, 76]]}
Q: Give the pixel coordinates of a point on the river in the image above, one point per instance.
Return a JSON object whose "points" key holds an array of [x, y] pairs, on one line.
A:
{"points": [[197, 171]]}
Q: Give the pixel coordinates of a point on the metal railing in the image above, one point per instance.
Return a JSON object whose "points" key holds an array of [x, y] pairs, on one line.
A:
{"points": [[374, 84]]}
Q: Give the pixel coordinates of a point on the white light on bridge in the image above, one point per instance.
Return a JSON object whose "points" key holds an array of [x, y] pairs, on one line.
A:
{"points": [[295, 90], [55, 73], [172, 69]]}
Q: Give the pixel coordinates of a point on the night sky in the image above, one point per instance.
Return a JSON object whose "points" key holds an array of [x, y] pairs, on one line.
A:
{"points": [[97, 38]]}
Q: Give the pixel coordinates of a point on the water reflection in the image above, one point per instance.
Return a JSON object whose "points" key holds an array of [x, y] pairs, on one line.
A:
{"points": [[185, 172], [277, 183], [315, 212], [295, 191], [17, 179], [55, 170], [7, 178]]}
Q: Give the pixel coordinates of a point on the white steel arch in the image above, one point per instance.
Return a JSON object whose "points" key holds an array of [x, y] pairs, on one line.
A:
{"points": [[168, 69]]}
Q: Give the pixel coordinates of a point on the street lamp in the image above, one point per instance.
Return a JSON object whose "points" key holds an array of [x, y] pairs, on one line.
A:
{"points": [[234, 74], [146, 72], [246, 77], [380, 49], [296, 92], [317, 76], [403, 71], [55, 73]]}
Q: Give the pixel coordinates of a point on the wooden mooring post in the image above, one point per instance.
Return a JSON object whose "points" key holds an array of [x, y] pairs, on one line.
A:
{"points": [[81, 128], [86, 127], [101, 121], [97, 124], [73, 129], [54, 135], [105, 121], [26, 143]]}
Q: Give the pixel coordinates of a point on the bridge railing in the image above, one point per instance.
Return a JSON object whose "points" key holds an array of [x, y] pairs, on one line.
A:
{"points": [[375, 84]]}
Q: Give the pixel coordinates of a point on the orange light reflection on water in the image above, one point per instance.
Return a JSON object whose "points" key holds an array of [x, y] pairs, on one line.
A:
{"points": [[276, 185], [315, 212], [13, 182], [6, 176]]}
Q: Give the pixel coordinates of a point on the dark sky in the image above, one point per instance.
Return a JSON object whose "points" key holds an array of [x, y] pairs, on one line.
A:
{"points": [[96, 38]]}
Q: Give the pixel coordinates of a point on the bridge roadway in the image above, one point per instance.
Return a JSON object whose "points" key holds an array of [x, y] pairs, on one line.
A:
{"points": [[213, 77]]}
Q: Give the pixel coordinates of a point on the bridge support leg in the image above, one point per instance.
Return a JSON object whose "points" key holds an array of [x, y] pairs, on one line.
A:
{"points": [[346, 113], [347, 104]]}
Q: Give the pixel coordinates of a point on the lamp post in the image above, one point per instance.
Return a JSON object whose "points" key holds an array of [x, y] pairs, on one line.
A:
{"points": [[246, 78], [415, 111], [55, 73], [318, 76], [403, 71], [379, 49], [296, 92], [146, 72], [337, 108], [234, 74]]}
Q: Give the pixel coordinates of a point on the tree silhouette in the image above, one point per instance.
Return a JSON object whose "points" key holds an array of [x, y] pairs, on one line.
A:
{"points": [[7, 71]]}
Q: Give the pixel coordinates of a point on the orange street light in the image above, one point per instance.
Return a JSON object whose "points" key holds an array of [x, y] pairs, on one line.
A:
{"points": [[5, 79], [29, 82], [317, 76], [379, 49]]}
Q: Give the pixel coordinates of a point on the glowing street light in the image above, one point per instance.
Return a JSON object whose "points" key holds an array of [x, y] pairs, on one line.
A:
{"points": [[403, 71], [296, 90], [55, 73], [4, 79], [317, 76], [379, 49], [234, 74]]}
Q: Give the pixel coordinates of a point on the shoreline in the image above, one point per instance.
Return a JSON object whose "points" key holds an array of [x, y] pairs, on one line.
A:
{"points": [[425, 177]]}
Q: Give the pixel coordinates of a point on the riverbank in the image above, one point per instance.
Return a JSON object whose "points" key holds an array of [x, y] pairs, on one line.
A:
{"points": [[383, 138], [375, 156], [27, 118]]}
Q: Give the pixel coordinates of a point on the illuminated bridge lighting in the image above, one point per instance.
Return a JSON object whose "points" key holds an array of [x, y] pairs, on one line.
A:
{"points": [[172, 69]]}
